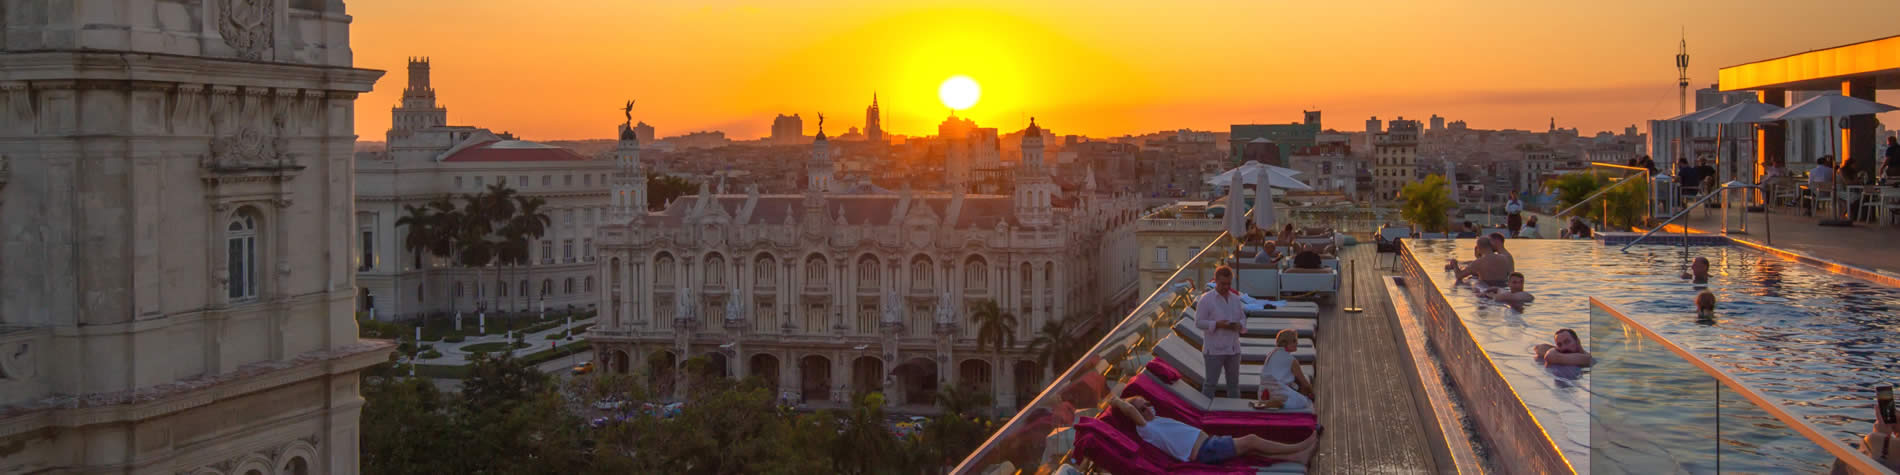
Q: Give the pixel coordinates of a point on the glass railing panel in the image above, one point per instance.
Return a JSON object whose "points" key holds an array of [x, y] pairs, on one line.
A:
{"points": [[1651, 411], [1036, 437], [1657, 407]]}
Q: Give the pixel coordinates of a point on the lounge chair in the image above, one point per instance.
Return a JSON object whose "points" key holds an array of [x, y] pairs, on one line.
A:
{"points": [[1110, 442], [1176, 352], [1259, 307], [1148, 381], [1260, 327], [1316, 282], [1389, 237], [1253, 350]]}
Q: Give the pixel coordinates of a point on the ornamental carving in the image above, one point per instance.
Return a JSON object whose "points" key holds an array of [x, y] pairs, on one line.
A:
{"points": [[249, 150], [17, 361], [246, 25]]}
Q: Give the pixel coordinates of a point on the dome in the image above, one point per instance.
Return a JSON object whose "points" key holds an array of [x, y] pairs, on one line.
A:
{"points": [[1033, 130], [627, 135]]}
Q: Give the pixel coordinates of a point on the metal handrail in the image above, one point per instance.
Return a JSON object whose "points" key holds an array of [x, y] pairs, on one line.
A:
{"points": [[1679, 214], [1859, 462], [1600, 192]]}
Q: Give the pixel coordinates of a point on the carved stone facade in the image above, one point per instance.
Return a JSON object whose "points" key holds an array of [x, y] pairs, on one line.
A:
{"points": [[843, 294], [175, 289]]}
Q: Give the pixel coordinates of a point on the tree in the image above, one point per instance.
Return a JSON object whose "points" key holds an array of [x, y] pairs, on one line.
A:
{"points": [[420, 235], [498, 380], [528, 225], [1426, 202], [406, 427], [664, 188], [1625, 203], [995, 328], [1055, 347]]}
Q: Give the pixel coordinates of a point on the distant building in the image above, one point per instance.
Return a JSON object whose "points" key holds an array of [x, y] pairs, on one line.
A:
{"points": [[1456, 125], [1373, 126], [873, 122], [644, 132], [1260, 150], [427, 160], [1288, 137], [1328, 167], [787, 129], [1438, 123], [702, 139], [1394, 155], [1166, 238]]}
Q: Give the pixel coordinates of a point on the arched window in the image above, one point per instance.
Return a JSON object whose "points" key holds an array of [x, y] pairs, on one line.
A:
{"points": [[921, 272], [587, 284], [765, 271], [815, 271], [568, 286], [241, 245], [663, 270], [976, 274], [715, 270], [868, 272]]}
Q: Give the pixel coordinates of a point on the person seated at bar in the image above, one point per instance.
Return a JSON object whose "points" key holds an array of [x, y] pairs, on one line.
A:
{"points": [[1187, 443], [1577, 229], [1285, 239], [1467, 231], [1890, 168], [1512, 293], [1698, 271], [1567, 351]]}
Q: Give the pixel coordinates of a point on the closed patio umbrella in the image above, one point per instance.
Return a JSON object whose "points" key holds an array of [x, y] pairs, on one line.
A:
{"points": [[1263, 217], [1236, 209]]}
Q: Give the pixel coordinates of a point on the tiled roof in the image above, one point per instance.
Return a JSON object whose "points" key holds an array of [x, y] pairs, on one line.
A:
{"points": [[512, 151]]}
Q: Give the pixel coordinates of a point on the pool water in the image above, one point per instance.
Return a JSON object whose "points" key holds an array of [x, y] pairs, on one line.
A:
{"points": [[1817, 340]]}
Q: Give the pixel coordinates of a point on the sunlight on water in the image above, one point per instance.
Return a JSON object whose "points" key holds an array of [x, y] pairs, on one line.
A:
{"points": [[1818, 341]]}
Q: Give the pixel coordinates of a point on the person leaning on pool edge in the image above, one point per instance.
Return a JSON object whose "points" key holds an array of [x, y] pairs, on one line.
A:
{"points": [[1567, 351]]}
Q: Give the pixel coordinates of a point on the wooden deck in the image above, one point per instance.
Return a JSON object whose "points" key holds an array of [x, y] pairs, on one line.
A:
{"points": [[1365, 399]]}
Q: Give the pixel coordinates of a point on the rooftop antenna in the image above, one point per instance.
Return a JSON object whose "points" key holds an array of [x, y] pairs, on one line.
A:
{"points": [[1682, 74]]}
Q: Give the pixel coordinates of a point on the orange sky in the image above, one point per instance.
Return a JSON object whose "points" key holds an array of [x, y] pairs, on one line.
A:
{"points": [[559, 69]]}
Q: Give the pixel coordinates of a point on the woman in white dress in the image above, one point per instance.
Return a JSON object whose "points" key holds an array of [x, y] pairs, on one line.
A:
{"points": [[1281, 378]]}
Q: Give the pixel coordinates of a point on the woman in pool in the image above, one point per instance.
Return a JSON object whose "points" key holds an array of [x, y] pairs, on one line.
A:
{"points": [[1705, 307], [1568, 350]]}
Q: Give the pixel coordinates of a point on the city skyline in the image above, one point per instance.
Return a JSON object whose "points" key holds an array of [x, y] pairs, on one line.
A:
{"points": [[738, 65]]}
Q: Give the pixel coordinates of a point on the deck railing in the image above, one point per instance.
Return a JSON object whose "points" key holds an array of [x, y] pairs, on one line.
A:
{"points": [[1025, 442], [1657, 407]]}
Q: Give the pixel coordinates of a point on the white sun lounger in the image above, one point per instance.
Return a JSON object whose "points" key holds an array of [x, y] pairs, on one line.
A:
{"points": [[1252, 350], [1219, 404]]}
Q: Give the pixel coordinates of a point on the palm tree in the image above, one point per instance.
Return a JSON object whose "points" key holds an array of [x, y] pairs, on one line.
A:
{"points": [[530, 223], [421, 235], [995, 328], [1053, 346]]}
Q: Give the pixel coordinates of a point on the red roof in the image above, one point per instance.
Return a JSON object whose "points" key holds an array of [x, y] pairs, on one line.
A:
{"points": [[512, 151]]}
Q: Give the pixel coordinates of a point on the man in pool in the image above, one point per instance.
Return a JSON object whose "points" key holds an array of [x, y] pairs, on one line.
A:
{"points": [[1497, 244], [1187, 443], [1512, 294], [1568, 351], [1698, 271], [1490, 268]]}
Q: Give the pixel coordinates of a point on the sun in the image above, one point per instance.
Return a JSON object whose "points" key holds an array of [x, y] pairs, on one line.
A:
{"points": [[959, 92]]}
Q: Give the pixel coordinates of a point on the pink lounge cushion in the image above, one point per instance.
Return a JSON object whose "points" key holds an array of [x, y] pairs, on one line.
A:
{"points": [[1161, 369], [1118, 450], [1277, 426]]}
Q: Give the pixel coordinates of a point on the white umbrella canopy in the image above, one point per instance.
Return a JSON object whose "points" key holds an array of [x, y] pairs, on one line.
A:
{"points": [[1246, 169], [1274, 177], [1236, 209], [1263, 217], [1697, 115], [1831, 106], [1744, 113]]}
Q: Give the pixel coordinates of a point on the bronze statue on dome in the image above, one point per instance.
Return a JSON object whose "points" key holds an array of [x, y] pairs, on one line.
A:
{"points": [[629, 111]]}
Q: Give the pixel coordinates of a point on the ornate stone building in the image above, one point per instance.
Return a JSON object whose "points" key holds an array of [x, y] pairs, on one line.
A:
{"points": [[429, 159], [175, 281], [825, 294]]}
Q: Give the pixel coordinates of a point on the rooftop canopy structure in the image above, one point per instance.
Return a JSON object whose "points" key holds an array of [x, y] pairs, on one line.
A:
{"points": [[1856, 70]]}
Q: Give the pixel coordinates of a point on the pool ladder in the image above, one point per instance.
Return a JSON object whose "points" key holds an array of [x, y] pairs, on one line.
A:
{"points": [[1720, 191]]}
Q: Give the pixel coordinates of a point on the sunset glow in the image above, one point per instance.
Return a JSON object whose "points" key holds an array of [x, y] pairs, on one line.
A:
{"points": [[959, 92], [559, 70]]}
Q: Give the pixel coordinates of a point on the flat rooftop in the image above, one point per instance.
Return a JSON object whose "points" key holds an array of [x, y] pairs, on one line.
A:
{"points": [[1821, 69]]}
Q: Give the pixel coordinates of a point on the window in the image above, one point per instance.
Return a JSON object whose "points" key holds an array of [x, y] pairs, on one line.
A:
{"points": [[568, 286], [501, 288], [976, 275], [815, 271], [521, 181], [867, 319], [458, 290], [765, 272], [547, 252], [567, 217], [588, 217], [547, 287], [501, 180], [715, 271], [587, 249], [920, 273], [567, 250], [458, 183], [663, 271], [567, 180], [480, 183], [815, 318], [867, 273], [547, 181], [369, 251], [419, 297], [1161, 257], [587, 180], [241, 244], [587, 284], [524, 287]]}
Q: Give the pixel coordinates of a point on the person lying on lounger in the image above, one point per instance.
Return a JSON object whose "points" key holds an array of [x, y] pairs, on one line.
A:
{"points": [[1568, 350], [1187, 443]]}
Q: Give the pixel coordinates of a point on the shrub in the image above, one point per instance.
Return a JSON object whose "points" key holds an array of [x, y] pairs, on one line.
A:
{"points": [[431, 354], [1426, 203], [554, 336], [454, 339]]}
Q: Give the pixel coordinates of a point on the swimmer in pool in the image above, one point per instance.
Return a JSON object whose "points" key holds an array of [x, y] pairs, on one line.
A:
{"points": [[1698, 271], [1513, 293], [1490, 268], [1568, 350], [1705, 307]]}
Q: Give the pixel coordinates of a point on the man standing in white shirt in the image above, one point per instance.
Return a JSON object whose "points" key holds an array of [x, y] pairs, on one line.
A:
{"points": [[1187, 443], [1222, 318]]}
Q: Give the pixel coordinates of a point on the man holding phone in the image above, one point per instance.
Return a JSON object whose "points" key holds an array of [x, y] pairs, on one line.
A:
{"points": [[1222, 318], [1880, 444]]}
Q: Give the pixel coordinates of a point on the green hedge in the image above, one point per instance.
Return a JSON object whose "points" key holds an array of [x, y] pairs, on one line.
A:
{"points": [[431, 354], [454, 339], [544, 356], [493, 347]]}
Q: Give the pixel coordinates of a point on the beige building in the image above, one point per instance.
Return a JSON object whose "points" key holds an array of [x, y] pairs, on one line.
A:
{"points": [[175, 200], [428, 159], [826, 295], [1167, 237], [1394, 155]]}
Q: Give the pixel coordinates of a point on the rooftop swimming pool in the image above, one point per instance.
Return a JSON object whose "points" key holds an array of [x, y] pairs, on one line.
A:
{"points": [[1815, 340]]}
